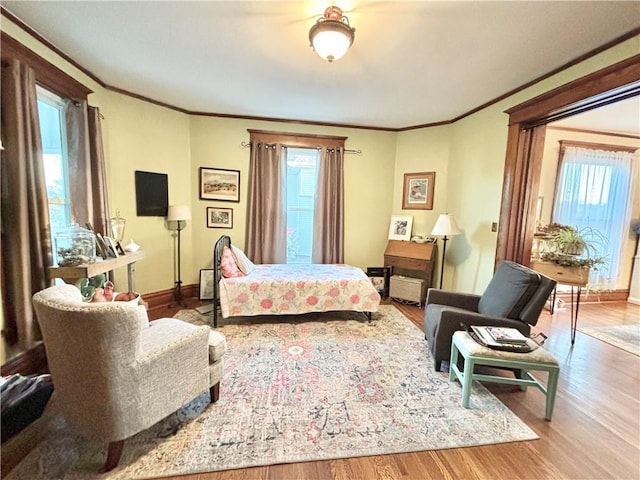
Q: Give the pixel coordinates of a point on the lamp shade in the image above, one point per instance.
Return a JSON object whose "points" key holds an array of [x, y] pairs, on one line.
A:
{"points": [[446, 226], [177, 213], [331, 36]]}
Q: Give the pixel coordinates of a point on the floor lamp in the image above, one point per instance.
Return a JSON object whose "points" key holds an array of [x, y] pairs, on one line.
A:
{"points": [[446, 226], [179, 214]]}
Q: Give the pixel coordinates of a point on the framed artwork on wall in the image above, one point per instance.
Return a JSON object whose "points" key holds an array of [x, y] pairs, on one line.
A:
{"points": [[219, 184], [219, 217], [206, 284], [417, 191], [400, 228]]}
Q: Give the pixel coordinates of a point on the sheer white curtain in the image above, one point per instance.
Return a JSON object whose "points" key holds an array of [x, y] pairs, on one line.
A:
{"points": [[593, 190]]}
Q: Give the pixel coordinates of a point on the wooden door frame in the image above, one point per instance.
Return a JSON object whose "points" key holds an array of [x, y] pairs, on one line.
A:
{"points": [[525, 143]]}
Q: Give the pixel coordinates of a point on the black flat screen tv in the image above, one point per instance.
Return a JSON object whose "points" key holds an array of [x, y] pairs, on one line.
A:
{"points": [[152, 194]]}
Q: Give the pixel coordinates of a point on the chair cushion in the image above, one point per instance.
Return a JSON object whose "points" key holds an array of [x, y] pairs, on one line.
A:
{"points": [[510, 289], [228, 264], [217, 346]]}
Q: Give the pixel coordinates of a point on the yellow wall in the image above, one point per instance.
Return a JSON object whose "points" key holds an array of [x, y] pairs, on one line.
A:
{"points": [[215, 142], [548, 187], [468, 158], [476, 165]]}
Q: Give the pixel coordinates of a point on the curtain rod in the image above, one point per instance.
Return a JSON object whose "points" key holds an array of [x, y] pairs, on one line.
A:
{"points": [[346, 150]]}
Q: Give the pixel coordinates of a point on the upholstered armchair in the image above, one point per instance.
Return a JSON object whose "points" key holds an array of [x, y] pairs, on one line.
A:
{"points": [[514, 298], [114, 372]]}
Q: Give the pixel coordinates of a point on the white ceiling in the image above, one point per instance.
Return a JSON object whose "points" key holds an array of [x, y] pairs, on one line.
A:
{"points": [[412, 63]]}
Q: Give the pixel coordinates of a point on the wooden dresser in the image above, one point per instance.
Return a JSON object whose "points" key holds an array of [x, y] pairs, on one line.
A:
{"points": [[416, 258]]}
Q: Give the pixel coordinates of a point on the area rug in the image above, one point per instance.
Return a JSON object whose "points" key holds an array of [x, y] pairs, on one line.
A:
{"points": [[294, 390], [626, 337]]}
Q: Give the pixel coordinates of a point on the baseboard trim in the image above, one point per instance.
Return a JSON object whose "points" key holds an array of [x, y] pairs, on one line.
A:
{"points": [[634, 300]]}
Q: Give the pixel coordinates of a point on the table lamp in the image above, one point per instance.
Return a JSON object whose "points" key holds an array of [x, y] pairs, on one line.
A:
{"points": [[179, 214], [446, 226]]}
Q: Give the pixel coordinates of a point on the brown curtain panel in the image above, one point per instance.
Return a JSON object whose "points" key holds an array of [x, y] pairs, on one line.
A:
{"points": [[328, 216], [26, 241], [266, 240], [87, 177]]}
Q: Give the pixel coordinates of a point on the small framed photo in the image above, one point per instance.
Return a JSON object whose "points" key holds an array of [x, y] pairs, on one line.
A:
{"points": [[417, 192], [219, 184], [206, 284], [111, 247], [219, 217], [380, 279], [400, 228]]}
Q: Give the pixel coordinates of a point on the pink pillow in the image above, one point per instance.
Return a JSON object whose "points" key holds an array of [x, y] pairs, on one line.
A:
{"points": [[228, 264]]}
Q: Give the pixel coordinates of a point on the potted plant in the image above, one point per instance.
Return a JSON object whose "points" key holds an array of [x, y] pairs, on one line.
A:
{"points": [[569, 253]]}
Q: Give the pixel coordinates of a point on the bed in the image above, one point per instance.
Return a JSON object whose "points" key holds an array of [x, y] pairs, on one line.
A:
{"points": [[290, 289]]}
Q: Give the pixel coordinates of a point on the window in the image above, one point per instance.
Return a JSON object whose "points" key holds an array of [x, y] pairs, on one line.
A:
{"points": [[302, 175], [51, 112], [593, 190]]}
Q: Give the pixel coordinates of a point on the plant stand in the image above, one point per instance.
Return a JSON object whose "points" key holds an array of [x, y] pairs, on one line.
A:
{"points": [[575, 277]]}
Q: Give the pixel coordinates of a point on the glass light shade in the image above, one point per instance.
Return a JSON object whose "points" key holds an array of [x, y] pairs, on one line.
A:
{"points": [[446, 226], [331, 36], [331, 44], [178, 213]]}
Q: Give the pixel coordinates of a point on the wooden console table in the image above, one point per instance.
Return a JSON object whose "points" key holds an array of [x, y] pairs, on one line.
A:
{"points": [[76, 273], [417, 257]]}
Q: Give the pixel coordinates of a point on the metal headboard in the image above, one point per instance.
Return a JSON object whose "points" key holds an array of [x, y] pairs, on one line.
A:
{"points": [[223, 241]]}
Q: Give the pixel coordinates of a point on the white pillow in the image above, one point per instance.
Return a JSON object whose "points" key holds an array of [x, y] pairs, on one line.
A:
{"points": [[245, 265]]}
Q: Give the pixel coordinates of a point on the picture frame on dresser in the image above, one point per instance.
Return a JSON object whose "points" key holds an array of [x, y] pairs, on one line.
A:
{"points": [[400, 227]]}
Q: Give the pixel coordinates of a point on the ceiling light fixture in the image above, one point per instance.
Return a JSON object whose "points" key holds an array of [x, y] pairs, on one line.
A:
{"points": [[331, 36]]}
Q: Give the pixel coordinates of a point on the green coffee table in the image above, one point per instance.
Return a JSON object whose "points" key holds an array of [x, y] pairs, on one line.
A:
{"points": [[475, 354]]}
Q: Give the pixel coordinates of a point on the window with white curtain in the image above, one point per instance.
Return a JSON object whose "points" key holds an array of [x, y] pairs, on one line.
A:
{"points": [[593, 191]]}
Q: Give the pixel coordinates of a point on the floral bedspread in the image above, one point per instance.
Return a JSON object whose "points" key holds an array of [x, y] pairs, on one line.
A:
{"points": [[295, 288]]}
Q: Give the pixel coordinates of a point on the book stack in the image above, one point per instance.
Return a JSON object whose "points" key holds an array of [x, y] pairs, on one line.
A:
{"points": [[509, 338], [506, 335]]}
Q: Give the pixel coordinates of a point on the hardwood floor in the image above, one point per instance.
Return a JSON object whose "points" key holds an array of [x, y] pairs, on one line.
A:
{"points": [[594, 434]]}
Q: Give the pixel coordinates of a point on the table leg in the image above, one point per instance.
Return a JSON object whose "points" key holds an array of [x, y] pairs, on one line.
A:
{"points": [[467, 378], [131, 270], [552, 386], [574, 314]]}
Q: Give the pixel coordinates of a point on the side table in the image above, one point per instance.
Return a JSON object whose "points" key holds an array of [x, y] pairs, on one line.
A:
{"points": [[475, 354], [78, 272]]}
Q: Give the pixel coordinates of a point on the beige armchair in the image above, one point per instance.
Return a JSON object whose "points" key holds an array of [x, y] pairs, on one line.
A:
{"points": [[114, 372]]}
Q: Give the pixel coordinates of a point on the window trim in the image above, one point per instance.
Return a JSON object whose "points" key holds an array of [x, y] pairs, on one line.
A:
{"points": [[47, 74], [304, 140]]}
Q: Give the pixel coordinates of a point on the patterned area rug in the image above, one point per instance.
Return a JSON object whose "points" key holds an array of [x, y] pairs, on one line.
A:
{"points": [[626, 337], [294, 390]]}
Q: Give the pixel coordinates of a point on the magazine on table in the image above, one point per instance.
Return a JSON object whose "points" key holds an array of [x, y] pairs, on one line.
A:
{"points": [[506, 335], [485, 338]]}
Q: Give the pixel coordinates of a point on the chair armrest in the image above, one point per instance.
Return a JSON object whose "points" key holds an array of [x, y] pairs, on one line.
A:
{"points": [[451, 319], [466, 301], [168, 334], [173, 361]]}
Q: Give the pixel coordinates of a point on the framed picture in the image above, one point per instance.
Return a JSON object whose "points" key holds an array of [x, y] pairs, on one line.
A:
{"points": [[219, 217], [219, 184], [400, 228], [380, 279], [417, 192], [111, 247], [206, 284]]}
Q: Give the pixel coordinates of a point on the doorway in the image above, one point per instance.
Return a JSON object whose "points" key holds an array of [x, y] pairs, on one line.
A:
{"points": [[525, 144]]}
